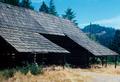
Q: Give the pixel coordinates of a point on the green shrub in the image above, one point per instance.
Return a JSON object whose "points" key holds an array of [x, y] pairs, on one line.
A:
{"points": [[33, 68], [23, 70], [7, 73], [68, 65]]}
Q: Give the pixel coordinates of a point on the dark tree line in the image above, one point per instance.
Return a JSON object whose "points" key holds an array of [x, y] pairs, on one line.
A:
{"points": [[26, 4], [106, 36], [23, 3], [115, 45], [103, 35], [12, 2], [51, 9]]}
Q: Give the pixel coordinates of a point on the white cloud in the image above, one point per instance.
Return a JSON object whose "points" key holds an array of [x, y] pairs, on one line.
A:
{"points": [[112, 22]]}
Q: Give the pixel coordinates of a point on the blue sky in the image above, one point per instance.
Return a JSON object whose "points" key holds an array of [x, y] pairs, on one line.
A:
{"points": [[104, 12]]}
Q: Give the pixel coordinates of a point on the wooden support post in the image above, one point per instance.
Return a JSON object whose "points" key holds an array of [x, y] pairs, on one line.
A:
{"points": [[102, 61], [64, 61], [35, 58], [13, 59], [87, 60], [43, 59], [115, 61], [106, 61], [93, 60]]}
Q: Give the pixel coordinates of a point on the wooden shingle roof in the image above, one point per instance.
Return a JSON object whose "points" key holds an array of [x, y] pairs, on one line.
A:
{"points": [[81, 38], [29, 23], [50, 23], [24, 41], [18, 18]]}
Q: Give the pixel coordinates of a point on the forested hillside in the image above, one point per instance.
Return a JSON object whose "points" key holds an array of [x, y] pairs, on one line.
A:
{"points": [[101, 34]]}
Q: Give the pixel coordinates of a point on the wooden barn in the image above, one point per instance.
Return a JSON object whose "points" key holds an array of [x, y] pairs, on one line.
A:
{"points": [[29, 36]]}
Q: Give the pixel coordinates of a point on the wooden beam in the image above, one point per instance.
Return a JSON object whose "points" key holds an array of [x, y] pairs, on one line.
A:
{"points": [[101, 58], [93, 60], [64, 61], [43, 59], [13, 59], [34, 58], [106, 61], [88, 58], [115, 61]]}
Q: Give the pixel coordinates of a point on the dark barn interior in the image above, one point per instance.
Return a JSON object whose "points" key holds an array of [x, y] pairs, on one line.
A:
{"points": [[44, 59], [79, 56], [6, 54]]}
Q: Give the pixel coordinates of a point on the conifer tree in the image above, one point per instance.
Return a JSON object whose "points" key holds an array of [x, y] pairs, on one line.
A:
{"points": [[44, 8], [70, 15], [52, 9], [26, 4]]}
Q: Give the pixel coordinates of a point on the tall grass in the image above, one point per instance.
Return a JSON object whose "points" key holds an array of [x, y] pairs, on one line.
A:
{"points": [[32, 73], [8, 73], [34, 69]]}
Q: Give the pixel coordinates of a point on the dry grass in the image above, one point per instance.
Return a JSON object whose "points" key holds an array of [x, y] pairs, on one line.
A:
{"points": [[58, 74], [110, 69]]}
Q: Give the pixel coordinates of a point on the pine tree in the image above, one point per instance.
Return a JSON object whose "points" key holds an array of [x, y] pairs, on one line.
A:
{"points": [[44, 8], [26, 4], [52, 9], [116, 42], [12, 2], [70, 15]]}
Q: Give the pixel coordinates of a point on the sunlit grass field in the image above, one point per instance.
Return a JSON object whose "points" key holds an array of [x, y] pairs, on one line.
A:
{"points": [[58, 74]]}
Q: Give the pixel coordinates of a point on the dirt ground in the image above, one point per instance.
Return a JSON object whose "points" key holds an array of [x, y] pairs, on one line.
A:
{"points": [[98, 77]]}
